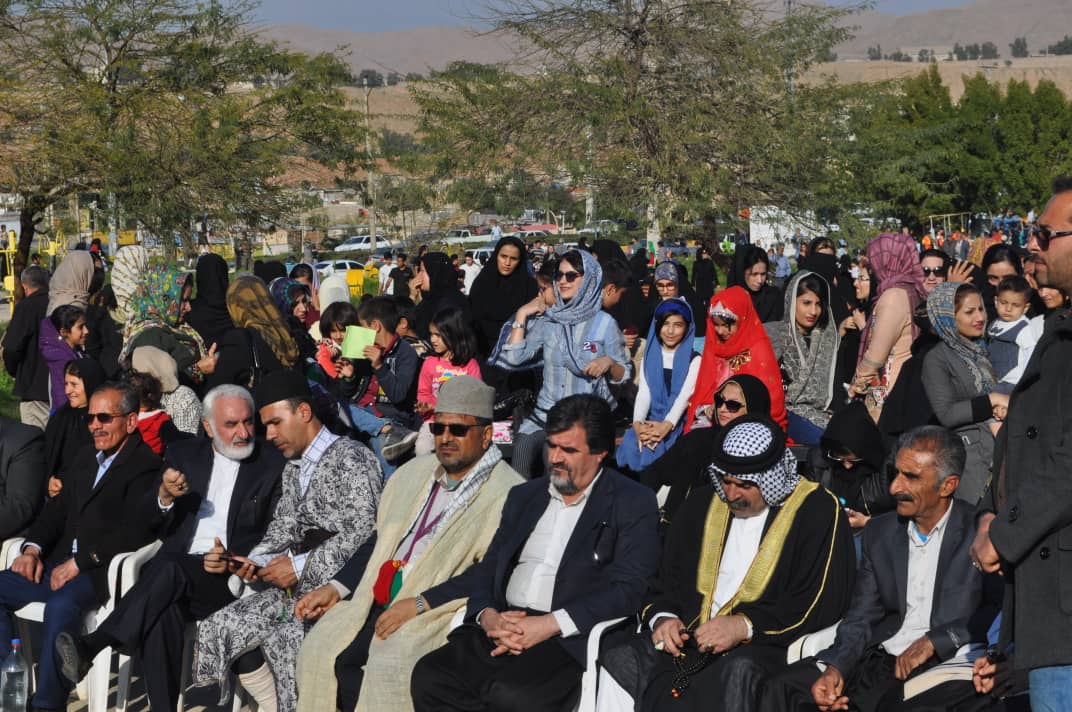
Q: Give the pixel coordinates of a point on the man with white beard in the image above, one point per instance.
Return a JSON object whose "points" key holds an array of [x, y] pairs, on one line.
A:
{"points": [[216, 490]]}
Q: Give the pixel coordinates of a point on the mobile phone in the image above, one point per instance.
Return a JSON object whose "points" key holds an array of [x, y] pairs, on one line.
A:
{"points": [[995, 655], [230, 558]]}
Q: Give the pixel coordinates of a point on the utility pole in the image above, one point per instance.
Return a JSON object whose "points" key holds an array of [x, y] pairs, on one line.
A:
{"points": [[788, 62], [369, 188]]}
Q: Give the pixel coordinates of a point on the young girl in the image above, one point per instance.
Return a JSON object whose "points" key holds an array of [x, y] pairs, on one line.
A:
{"points": [[453, 349], [154, 424], [333, 323], [667, 380], [62, 338]]}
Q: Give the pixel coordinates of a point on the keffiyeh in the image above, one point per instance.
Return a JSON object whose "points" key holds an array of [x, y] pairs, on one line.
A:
{"points": [[753, 450]]}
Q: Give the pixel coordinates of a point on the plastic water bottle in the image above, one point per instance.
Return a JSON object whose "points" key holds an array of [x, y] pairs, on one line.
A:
{"points": [[13, 680]]}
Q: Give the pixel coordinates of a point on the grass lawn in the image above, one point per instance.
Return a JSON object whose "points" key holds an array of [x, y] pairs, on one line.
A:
{"points": [[9, 404]]}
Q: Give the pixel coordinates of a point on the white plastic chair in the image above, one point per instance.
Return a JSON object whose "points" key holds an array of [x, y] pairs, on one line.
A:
{"points": [[590, 678], [120, 579], [808, 645]]}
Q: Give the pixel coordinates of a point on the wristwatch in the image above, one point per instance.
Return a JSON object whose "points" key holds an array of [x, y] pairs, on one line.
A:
{"points": [[517, 325], [420, 604]]}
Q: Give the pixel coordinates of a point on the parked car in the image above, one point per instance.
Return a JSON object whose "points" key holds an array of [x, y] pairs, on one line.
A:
{"points": [[462, 236], [339, 267], [482, 255], [363, 243]]}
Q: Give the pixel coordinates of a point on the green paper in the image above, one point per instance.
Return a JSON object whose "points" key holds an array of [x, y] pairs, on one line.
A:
{"points": [[357, 339]]}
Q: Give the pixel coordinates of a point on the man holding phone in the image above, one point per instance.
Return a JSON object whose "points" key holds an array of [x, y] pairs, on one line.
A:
{"points": [[212, 491]]}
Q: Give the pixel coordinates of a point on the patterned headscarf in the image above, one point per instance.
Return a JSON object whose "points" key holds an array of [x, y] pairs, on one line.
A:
{"points": [[666, 270], [753, 449], [155, 304], [941, 310], [285, 293], [250, 306], [583, 306], [131, 262]]}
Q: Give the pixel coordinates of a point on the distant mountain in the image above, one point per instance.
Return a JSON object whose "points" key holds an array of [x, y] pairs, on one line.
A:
{"points": [[416, 50], [1042, 22]]}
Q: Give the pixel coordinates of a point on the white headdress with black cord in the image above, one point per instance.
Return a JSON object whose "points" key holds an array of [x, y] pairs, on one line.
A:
{"points": [[753, 449]]}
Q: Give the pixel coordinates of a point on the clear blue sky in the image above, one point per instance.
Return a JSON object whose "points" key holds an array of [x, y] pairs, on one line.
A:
{"points": [[378, 15]]}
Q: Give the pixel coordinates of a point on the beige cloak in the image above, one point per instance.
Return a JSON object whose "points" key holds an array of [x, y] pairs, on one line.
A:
{"points": [[461, 542]]}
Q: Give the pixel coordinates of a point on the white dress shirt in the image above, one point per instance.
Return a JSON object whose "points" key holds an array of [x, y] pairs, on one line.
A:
{"points": [[922, 570], [215, 505], [532, 584]]}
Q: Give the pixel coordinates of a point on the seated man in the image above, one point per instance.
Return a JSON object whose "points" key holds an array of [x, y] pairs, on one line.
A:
{"points": [[64, 562], [218, 491], [917, 596], [331, 488], [22, 475], [750, 564], [569, 552], [437, 515]]}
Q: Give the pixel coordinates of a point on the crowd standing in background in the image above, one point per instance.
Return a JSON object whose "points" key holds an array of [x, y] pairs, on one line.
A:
{"points": [[786, 441]]}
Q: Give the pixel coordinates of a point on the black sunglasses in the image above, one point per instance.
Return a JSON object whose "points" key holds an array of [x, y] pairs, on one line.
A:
{"points": [[458, 430], [843, 458], [570, 277], [730, 405], [1043, 235], [936, 271], [104, 418]]}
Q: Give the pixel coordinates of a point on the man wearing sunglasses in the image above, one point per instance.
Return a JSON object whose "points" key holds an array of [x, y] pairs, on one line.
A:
{"points": [[437, 516], [571, 550], [64, 562], [1024, 527]]}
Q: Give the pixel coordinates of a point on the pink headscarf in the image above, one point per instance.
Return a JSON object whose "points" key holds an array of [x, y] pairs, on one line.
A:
{"points": [[894, 259]]}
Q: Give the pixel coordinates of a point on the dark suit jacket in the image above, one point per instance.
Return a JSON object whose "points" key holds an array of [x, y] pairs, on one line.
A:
{"points": [[22, 475], [612, 552], [22, 359], [959, 613], [102, 518], [1032, 497], [257, 489]]}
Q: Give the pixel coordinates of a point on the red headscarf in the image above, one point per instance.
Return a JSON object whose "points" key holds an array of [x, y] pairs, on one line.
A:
{"points": [[747, 350]]}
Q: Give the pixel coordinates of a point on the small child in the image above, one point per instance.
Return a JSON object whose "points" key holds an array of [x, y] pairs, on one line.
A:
{"points": [[154, 424], [333, 323], [384, 395], [61, 338], [406, 316], [453, 349], [1011, 342]]}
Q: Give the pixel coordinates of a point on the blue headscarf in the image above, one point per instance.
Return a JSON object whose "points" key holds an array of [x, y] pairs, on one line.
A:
{"points": [[661, 398], [581, 308], [941, 310]]}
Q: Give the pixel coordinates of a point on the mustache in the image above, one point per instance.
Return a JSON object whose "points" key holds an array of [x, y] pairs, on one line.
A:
{"points": [[902, 498], [737, 504]]}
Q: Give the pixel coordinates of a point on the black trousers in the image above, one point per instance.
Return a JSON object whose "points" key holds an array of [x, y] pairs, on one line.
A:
{"points": [[350, 665], [463, 677], [173, 590]]}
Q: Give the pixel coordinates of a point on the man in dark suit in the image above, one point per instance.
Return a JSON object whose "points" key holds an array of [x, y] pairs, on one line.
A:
{"points": [[64, 562], [569, 552], [1025, 520], [918, 600], [22, 358], [222, 489], [22, 475]]}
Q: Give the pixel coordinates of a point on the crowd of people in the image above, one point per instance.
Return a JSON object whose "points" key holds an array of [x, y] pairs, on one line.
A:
{"points": [[868, 448]]}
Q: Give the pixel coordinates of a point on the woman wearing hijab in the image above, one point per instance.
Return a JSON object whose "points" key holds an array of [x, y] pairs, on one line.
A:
{"points": [[293, 300], [582, 348], [752, 273], [959, 380], [153, 320], [667, 377], [259, 343], [439, 290], [737, 341], [806, 344], [501, 288], [684, 466], [67, 431], [208, 311], [886, 342], [704, 275]]}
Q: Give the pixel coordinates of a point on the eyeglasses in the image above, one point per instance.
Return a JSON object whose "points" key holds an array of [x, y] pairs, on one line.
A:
{"points": [[458, 430], [836, 457], [104, 418], [936, 271], [1043, 235], [570, 277], [730, 405]]}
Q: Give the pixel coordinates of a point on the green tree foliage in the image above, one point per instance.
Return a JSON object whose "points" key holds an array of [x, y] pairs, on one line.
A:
{"points": [[1062, 47], [874, 53], [648, 102], [1018, 49], [174, 108], [374, 78], [988, 50]]}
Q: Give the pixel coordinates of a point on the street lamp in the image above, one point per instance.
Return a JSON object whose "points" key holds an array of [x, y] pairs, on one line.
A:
{"points": [[369, 186]]}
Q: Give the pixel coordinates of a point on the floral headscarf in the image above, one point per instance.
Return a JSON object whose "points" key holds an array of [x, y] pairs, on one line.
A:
{"points": [[155, 304], [285, 293], [251, 306], [941, 310]]}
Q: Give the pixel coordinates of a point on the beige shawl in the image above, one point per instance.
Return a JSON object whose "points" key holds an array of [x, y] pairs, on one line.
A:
{"points": [[463, 541]]}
